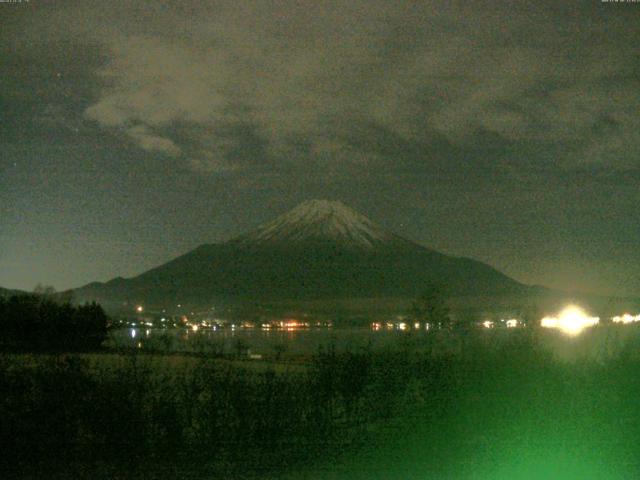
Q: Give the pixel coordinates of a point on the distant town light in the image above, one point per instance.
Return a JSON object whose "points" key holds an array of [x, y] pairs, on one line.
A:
{"points": [[625, 318], [139, 308], [194, 328], [512, 323], [572, 321], [487, 324]]}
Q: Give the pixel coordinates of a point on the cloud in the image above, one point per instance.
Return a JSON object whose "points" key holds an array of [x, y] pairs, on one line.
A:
{"points": [[151, 142], [154, 84], [205, 162], [180, 76]]}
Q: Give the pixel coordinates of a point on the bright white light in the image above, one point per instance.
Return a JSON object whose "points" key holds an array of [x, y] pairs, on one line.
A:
{"points": [[133, 333], [626, 318], [139, 308], [402, 326], [512, 323], [194, 328], [572, 320], [487, 324]]}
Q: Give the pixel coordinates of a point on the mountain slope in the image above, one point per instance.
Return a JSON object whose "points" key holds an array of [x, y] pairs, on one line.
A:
{"points": [[6, 292], [320, 249], [320, 221]]}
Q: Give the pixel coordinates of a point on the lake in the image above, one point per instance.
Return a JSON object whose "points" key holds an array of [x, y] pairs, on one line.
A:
{"points": [[598, 343]]}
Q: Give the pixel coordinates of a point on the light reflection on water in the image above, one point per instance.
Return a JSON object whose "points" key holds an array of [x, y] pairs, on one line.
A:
{"points": [[228, 341], [597, 344]]}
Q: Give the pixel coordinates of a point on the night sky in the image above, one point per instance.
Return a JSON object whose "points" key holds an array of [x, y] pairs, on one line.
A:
{"points": [[132, 132]]}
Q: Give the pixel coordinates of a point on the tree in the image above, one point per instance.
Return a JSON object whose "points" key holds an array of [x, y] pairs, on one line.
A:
{"points": [[44, 290], [38, 322], [50, 293], [90, 324], [431, 307]]}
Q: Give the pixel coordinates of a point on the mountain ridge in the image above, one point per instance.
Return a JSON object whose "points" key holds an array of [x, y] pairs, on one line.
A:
{"points": [[319, 249]]}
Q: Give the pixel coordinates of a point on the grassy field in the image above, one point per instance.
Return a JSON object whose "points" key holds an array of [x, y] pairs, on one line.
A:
{"points": [[476, 405]]}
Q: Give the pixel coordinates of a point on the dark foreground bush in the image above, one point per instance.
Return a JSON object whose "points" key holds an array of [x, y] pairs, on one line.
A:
{"points": [[127, 416], [33, 322], [144, 411]]}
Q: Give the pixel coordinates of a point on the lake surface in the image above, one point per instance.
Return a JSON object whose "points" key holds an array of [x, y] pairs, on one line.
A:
{"points": [[255, 341], [598, 343]]}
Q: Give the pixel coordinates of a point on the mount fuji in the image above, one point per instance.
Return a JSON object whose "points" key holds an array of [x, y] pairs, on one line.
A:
{"points": [[319, 250], [322, 222]]}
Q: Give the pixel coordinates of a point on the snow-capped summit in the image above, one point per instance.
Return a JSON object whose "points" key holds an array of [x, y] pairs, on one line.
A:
{"points": [[320, 221]]}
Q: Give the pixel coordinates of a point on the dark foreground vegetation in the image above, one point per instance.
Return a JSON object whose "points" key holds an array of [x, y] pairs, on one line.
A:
{"points": [[40, 323], [471, 405]]}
